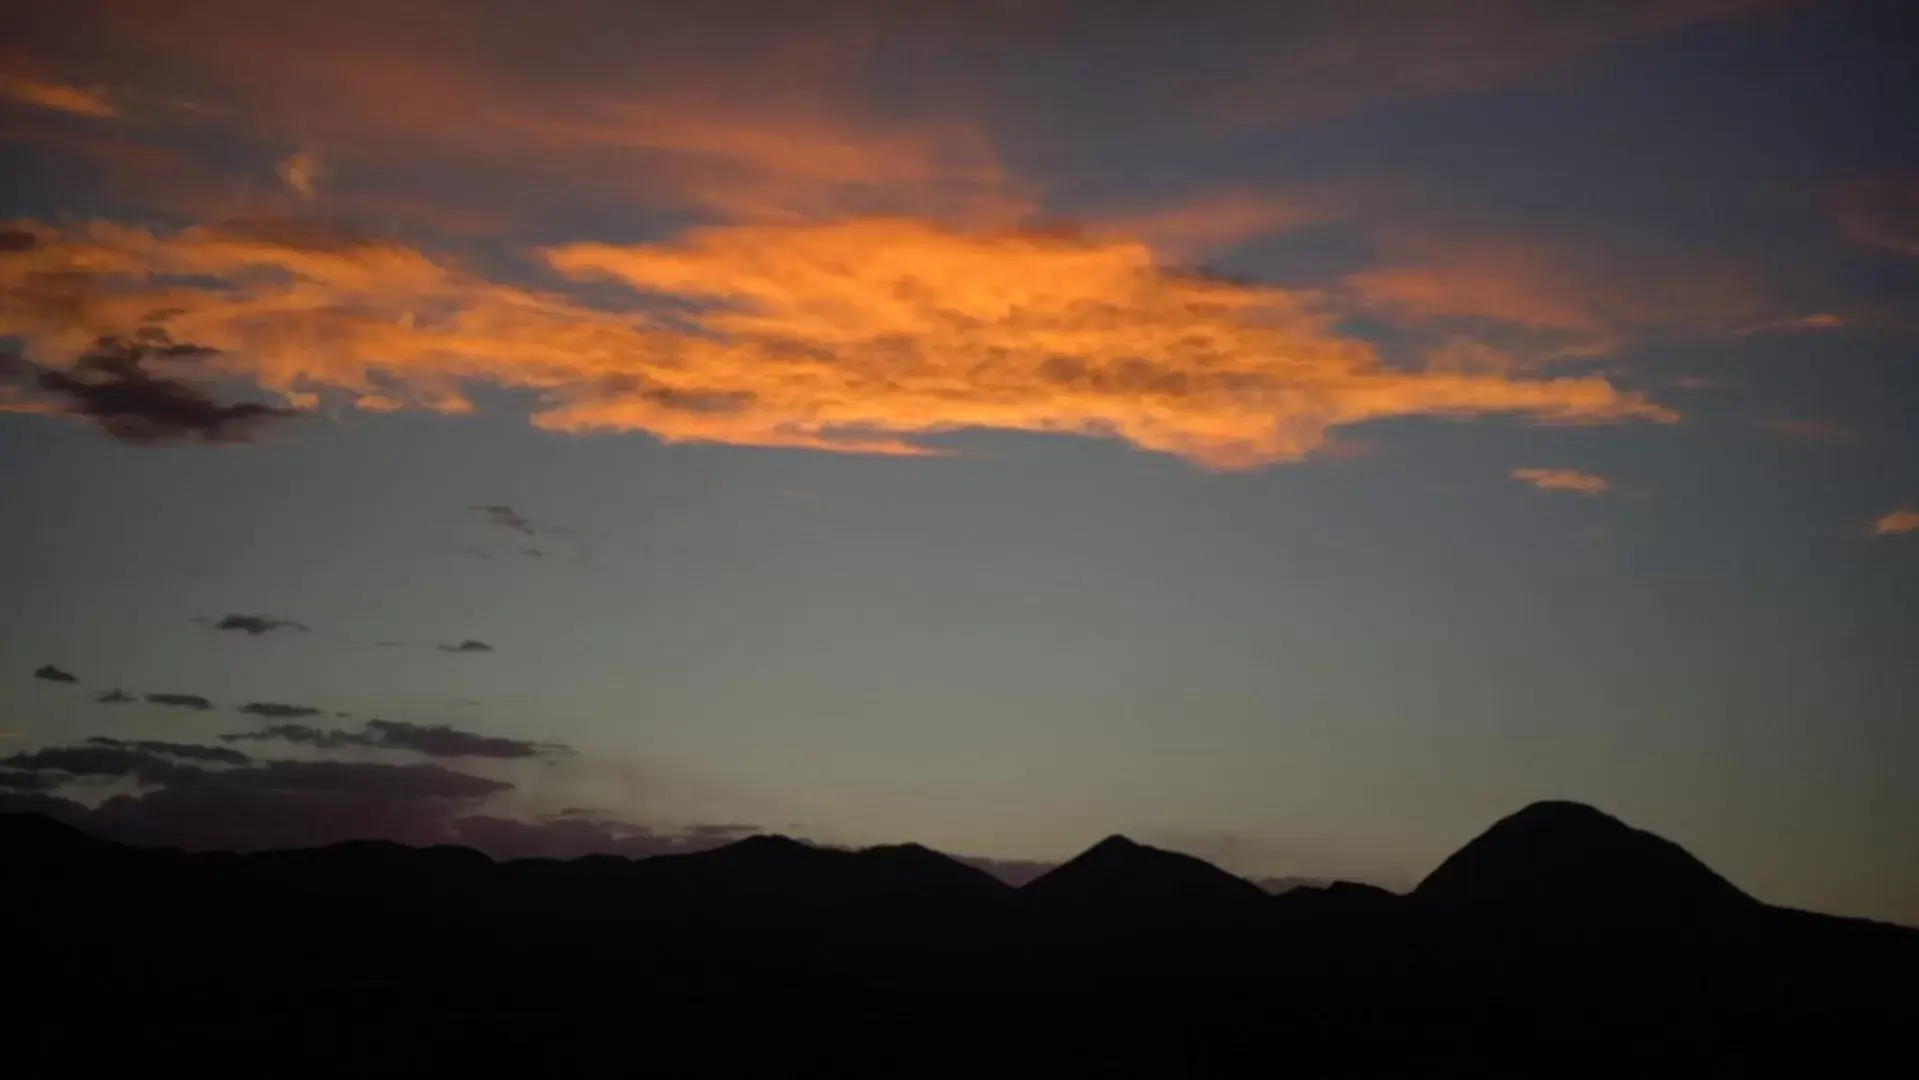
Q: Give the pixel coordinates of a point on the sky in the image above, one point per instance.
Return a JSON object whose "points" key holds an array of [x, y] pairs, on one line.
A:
{"points": [[1293, 434]]}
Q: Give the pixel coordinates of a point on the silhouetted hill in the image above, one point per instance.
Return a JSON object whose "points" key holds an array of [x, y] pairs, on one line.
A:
{"points": [[780, 868], [1559, 926], [1566, 859], [1118, 871]]}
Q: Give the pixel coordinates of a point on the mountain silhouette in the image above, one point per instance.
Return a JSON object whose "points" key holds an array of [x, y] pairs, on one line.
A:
{"points": [[1558, 936], [1561, 859], [778, 867], [1119, 871]]}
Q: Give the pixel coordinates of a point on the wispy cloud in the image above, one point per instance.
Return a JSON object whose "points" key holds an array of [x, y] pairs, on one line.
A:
{"points": [[1897, 523], [115, 696], [300, 172], [1585, 305], [507, 518], [1819, 320], [54, 674], [1881, 211], [59, 97], [438, 740], [1584, 483]]}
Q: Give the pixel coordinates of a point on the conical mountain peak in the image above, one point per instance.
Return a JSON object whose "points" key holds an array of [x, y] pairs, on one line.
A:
{"points": [[1559, 857]]}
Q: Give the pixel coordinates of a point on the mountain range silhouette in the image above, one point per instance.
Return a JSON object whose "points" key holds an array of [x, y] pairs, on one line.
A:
{"points": [[1558, 920]]}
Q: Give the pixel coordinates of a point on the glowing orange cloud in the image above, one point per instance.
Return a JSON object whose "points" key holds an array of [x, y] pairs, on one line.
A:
{"points": [[862, 335], [1897, 523], [1584, 483], [58, 97]]}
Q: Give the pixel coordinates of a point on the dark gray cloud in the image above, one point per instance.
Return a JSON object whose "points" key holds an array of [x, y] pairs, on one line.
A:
{"points": [[507, 518], [303, 735], [278, 711], [180, 701], [444, 740], [271, 804], [467, 646], [111, 386], [255, 625], [115, 696], [17, 240], [104, 761], [360, 778], [54, 674], [439, 740], [221, 755], [262, 805], [29, 780]]}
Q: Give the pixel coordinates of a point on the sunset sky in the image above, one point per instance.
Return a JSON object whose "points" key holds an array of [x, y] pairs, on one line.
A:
{"points": [[1293, 434]]}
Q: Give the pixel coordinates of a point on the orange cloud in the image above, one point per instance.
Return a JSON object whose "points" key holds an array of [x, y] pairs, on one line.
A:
{"points": [[58, 97], [863, 335], [1584, 483], [1897, 523]]}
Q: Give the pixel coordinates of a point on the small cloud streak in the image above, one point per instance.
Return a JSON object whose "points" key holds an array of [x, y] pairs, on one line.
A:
{"points": [[467, 646], [1584, 483], [278, 711], [438, 741], [1898, 523], [115, 696], [255, 625], [180, 701], [57, 97], [507, 518], [54, 674], [1817, 321], [219, 755], [300, 172]]}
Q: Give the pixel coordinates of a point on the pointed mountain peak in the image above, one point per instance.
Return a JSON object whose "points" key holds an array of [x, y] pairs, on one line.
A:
{"points": [[1567, 857], [1119, 870]]}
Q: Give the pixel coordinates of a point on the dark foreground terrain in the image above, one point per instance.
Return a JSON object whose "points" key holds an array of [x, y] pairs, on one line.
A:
{"points": [[1560, 942]]}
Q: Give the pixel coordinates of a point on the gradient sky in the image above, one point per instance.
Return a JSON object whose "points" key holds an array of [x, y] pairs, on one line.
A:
{"points": [[1294, 434]]}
